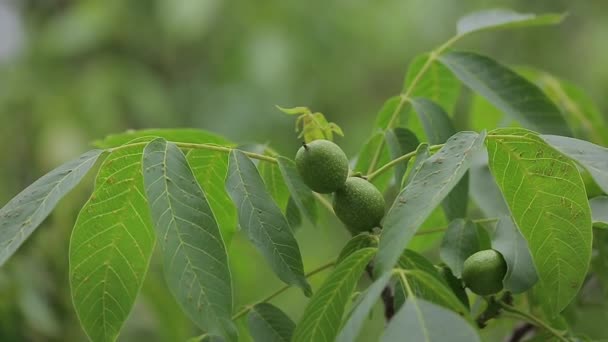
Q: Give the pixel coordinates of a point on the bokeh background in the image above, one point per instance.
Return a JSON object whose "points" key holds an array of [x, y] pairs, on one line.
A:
{"points": [[74, 71]]}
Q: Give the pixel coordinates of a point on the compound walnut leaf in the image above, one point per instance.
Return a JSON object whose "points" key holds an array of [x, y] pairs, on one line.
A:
{"points": [[323, 314], [111, 246], [263, 222], [547, 199], [26, 211], [430, 184], [194, 255]]}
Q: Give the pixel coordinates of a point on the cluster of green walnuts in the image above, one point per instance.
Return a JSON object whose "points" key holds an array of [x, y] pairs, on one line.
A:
{"points": [[324, 167]]}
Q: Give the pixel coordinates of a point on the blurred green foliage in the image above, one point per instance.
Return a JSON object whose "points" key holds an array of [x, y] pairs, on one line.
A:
{"points": [[74, 71]]}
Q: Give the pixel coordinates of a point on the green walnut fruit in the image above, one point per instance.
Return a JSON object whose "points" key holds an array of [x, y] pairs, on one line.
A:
{"points": [[483, 272], [359, 205], [322, 165]]}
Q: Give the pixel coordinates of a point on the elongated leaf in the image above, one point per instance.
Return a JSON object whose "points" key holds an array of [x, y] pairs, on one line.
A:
{"points": [[432, 182], [393, 106], [547, 199], [267, 323], [599, 211], [400, 141], [420, 320], [26, 211], [263, 222], [361, 309], [356, 243], [194, 255], [196, 136], [592, 157], [436, 83], [494, 19], [276, 186], [422, 153], [483, 187], [323, 314], [521, 272], [578, 107], [374, 149], [111, 246], [507, 90], [300, 192], [210, 169], [459, 242], [439, 128], [434, 289]]}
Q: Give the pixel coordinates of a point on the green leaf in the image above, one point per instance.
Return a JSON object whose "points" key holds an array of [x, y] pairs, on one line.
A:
{"points": [[483, 188], [210, 169], [400, 141], [356, 243], [267, 323], [577, 106], [547, 199], [111, 246], [431, 287], [494, 19], [459, 242], [420, 320], [263, 222], [392, 106], [507, 90], [521, 272], [275, 184], [300, 192], [194, 255], [599, 211], [293, 215], [371, 151], [439, 128], [592, 157], [437, 83], [432, 182], [422, 153], [26, 211], [359, 313], [195, 136], [322, 316]]}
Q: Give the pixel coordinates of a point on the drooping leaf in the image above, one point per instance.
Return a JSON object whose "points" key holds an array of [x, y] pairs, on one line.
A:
{"points": [[592, 157], [374, 150], [350, 330], [267, 323], [439, 128], [111, 246], [599, 211], [185, 135], [521, 272], [356, 243], [26, 211], [459, 242], [578, 107], [400, 141], [263, 222], [323, 314], [507, 90], [546, 196], [432, 288], [432, 182], [194, 255], [275, 184], [422, 153], [483, 188], [420, 320], [495, 19], [300, 193], [210, 169], [436, 83]]}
